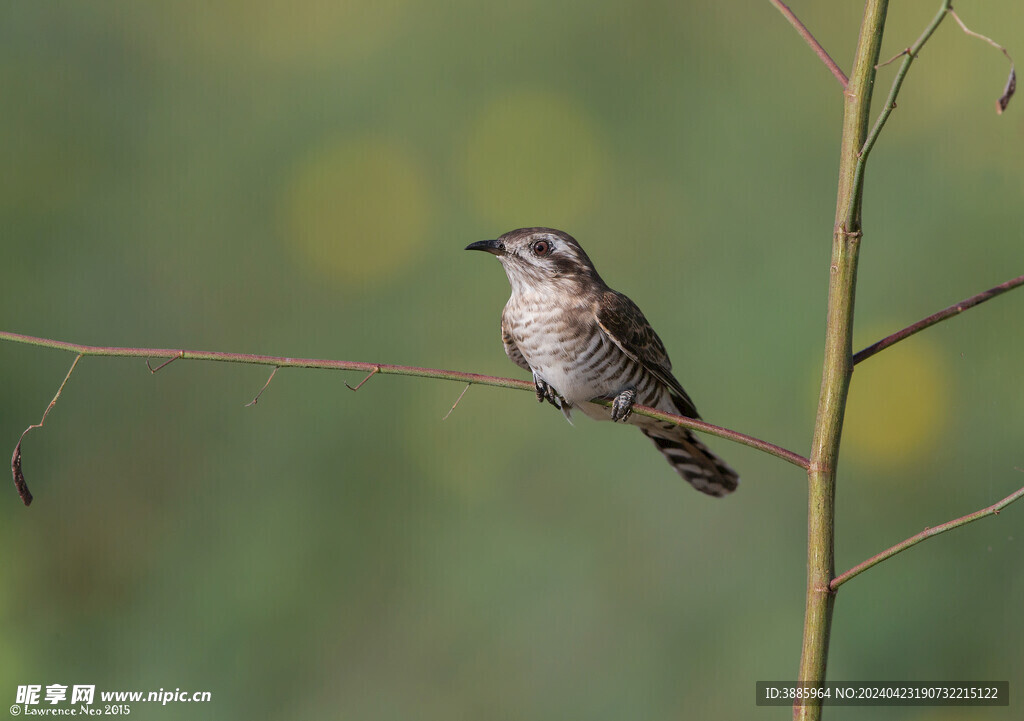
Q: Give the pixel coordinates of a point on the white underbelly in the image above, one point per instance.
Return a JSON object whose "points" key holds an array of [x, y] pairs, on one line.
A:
{"points": [[571, 374], [572, 386]]}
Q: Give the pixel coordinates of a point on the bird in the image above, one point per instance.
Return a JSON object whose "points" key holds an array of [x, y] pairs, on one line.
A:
{"points": [[587, 345]]}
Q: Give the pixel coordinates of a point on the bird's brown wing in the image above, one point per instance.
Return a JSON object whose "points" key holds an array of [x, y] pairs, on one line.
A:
{"points": [[625, 325], [511, 349]]}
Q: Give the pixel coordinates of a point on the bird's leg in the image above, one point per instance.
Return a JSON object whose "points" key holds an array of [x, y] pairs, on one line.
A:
{"points": [[622, 404], [546, 392]]}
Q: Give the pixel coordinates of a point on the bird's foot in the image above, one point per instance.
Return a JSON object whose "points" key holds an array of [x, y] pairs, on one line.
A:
{"points": [[622, 405], [546, 392]]}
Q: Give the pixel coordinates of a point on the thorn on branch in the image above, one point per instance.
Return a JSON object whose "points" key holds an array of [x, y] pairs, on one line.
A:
{"points": [[19, 476], [456, 402], [181, 354], [1011, 82], [359, 385], [256, 399]]}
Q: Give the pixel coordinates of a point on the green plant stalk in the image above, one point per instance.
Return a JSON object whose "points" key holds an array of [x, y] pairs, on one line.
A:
{"points": [[838, 360]]}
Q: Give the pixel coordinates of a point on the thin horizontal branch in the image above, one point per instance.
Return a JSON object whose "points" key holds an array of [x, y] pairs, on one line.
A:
{"points": [[387, 369], [931, 320], [742, 438], [810, 40], [927, 533], [266, 360]]}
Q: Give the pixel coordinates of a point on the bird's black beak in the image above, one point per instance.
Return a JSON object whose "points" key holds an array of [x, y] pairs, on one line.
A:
{"points": [[491, 246]]}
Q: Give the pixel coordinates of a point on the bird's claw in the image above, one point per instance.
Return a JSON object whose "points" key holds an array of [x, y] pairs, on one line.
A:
{"points": [[622, 405], [547, 393]]}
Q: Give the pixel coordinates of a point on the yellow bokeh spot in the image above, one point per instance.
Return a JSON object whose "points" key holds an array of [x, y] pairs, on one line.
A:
{"points": [[899, 404], [533, 157], [357, 209]]}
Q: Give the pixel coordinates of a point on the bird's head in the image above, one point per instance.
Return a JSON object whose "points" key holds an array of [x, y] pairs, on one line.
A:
{"points": [[537, 259]]}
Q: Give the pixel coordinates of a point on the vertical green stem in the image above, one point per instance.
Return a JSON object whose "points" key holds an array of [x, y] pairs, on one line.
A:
{"points": [[838, 364]]}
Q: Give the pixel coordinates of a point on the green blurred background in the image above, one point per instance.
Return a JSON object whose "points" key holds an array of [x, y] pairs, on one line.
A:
{"points": [[300, 179]]}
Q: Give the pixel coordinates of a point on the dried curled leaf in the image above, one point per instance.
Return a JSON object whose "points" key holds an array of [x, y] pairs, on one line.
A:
{"points": [[19, 477], [1008, 91], [1011, 83]]}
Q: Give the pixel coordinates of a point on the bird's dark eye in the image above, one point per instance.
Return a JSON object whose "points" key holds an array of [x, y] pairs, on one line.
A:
{"points": [[542, 247]]}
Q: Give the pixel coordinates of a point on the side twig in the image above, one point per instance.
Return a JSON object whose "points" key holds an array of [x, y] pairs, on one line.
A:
{"points": [[256, 398], [19, 477], [927, 533], [810, 40], [931, 320], [890, 104], [162, 365], [359, 385], [445, 417]]}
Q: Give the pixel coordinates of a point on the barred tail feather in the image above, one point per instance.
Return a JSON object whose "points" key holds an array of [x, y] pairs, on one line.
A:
{"points": [[692, 460]]}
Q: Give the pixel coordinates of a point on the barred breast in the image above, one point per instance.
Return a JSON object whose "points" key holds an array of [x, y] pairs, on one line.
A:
{"points": [[566, 348]]}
